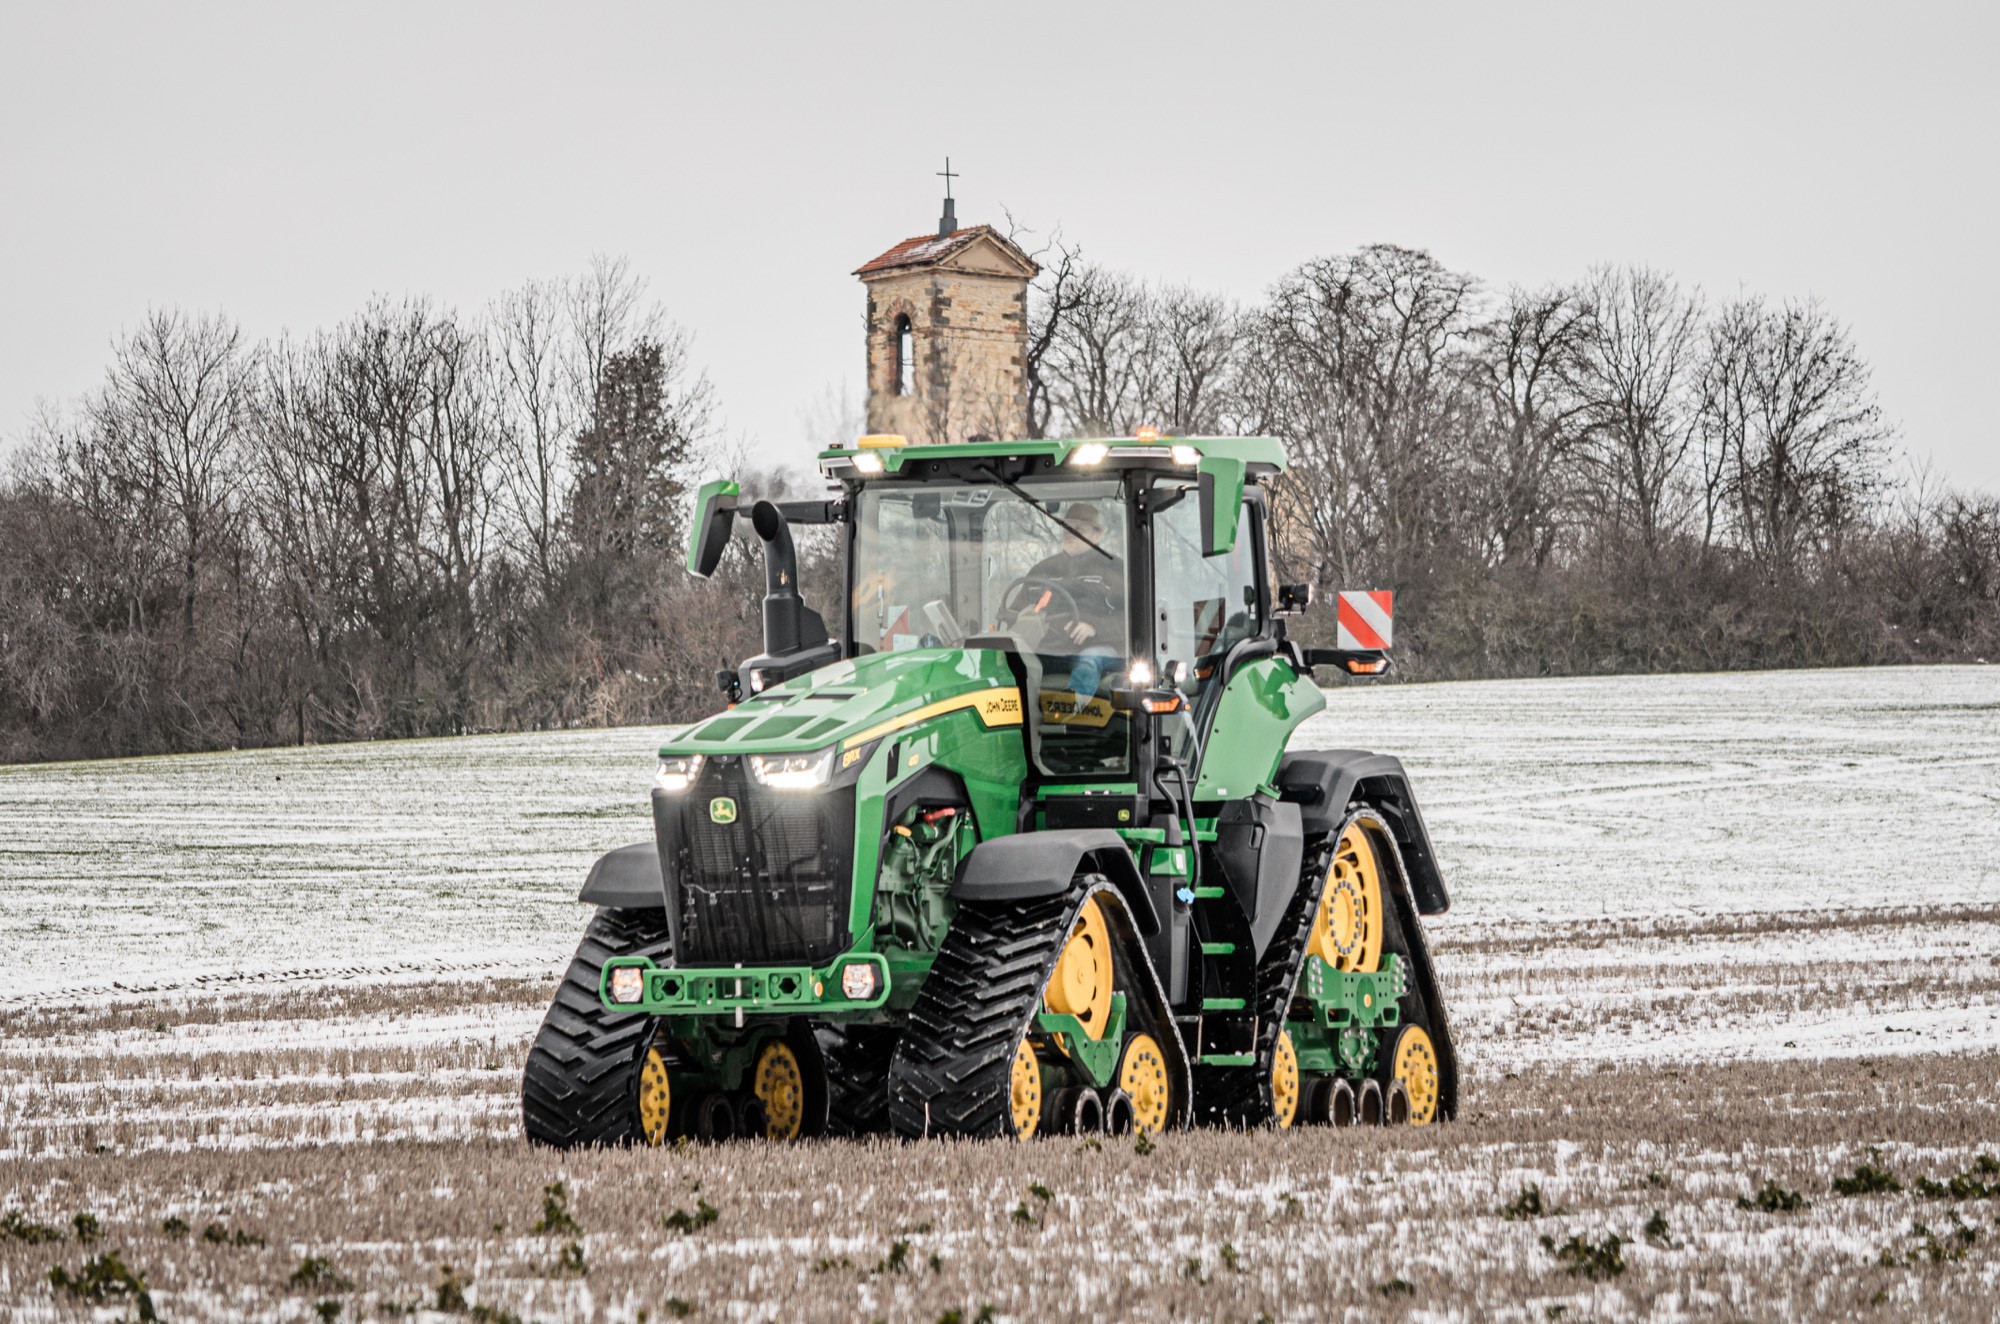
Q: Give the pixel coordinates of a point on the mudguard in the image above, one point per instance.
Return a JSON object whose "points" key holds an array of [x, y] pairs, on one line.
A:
{"points": [[1037, 864], [626, 879], [1324, 783]]}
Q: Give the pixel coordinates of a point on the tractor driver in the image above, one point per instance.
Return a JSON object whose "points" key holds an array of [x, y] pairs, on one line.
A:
{"points": [[1096, 581]]}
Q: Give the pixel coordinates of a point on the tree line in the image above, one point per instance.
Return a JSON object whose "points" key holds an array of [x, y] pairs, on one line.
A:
{"points": [[423, 522], [414, 523], [1613, 474]]}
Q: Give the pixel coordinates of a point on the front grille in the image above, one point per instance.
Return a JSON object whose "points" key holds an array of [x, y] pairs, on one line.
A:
{"points": [[770, 885]]}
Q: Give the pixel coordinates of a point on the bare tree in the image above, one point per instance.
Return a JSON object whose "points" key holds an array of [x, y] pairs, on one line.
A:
{"points": [[1053, 299], [416, 523], [1199, 337], [1530, 362], [608, 313], [554, 343], [1643, 354], [539, 411], [172, 414], [1786, 403], [1096, 368], [377, 479], [1356, 362]]}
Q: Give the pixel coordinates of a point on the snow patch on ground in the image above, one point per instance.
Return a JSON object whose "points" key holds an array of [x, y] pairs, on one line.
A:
{"points": [[1569, 816]]}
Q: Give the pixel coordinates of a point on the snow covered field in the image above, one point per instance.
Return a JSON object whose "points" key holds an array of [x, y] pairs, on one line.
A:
{"points": [[1654, 796], [1653, 814], [1707, 931]]}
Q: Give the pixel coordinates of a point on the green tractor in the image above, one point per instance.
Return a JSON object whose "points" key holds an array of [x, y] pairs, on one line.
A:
{"points": [[1023, 848]]}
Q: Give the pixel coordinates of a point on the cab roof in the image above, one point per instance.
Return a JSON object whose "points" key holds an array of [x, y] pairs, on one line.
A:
{"points": [[1260, 456]]}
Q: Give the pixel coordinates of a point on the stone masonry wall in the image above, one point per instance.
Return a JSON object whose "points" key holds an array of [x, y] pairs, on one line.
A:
{"points": [[970, 338]]}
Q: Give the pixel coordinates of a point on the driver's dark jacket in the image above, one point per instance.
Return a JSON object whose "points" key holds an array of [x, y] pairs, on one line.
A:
{"points": [[1098, 585]]}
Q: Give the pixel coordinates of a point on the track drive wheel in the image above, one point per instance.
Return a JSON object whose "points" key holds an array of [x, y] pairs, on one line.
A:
{"points": [[1080, 985], [779, 1083], [1285, 1081], [1347, 930], [1024, 1091], [656, 1098], [1142, 1074], [1412, 1062]]}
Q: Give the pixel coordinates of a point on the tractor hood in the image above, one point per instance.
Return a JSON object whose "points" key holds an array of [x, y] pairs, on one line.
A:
{"points": [[858, 700]]}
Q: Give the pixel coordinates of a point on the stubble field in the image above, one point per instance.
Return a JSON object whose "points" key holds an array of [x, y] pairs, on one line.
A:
{"points": [[1718, 943]]}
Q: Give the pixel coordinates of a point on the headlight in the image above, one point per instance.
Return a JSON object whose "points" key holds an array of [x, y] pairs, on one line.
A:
{"points": [[864, 463], [857, 982], [676, 772], [1091, 452], [792, 772], [628, 984], [1186, 456]]}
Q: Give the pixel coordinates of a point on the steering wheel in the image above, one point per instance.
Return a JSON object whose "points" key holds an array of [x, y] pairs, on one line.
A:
{"points": [[1030, 594]]}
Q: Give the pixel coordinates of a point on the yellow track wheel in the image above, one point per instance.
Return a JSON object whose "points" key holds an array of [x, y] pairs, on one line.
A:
{"points": [[1414, 1061], [780, 1086], [1347, 932], [1080, 985], [1143, 1075], [1024, 1090], [1285, 1081], [656, 1097]]}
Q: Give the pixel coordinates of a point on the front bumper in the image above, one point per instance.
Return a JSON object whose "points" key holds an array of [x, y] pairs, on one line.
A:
{"points": [[728, 990]]}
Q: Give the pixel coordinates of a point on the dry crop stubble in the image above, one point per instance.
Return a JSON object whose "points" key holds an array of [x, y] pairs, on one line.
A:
{"points": [[359, 1169], [1208, 1225]]}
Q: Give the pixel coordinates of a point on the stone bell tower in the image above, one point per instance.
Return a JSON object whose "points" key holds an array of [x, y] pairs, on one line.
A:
{"points": [[948, 335]]}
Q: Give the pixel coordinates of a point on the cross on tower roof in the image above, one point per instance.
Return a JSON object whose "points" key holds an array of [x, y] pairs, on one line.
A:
{"points": [[949, 221]]}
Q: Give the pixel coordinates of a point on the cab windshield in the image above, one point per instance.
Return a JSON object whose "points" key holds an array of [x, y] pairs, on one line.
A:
{"points": [[937, 564]]}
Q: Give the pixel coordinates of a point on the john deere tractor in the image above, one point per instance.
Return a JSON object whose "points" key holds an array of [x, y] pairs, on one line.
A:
{"points": [[1021, 847]]}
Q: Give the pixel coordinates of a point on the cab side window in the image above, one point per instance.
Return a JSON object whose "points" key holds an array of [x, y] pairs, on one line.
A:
{"points": [[1203, 605]]}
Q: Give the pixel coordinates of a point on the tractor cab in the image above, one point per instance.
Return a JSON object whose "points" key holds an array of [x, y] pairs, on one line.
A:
{"points": [[1123, 579]]}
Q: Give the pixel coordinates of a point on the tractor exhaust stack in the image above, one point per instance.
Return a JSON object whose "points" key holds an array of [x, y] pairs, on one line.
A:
{"points": [[795, 638]]}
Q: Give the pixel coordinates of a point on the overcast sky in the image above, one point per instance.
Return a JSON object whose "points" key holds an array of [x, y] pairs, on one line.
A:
{"points": [[282, 163]]}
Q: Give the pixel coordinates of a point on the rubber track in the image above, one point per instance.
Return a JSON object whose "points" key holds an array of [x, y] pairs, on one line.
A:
{"points": [[857, 1077], [1423, 976], [579, 1085], [950, 1073]]}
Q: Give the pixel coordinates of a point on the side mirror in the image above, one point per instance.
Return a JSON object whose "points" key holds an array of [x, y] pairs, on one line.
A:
{"points": [[1219, 486], [1293, 599], [714, 517]]}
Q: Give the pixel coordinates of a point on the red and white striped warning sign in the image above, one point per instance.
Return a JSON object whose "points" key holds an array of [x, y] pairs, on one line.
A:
{"points": [[1366, 618]]}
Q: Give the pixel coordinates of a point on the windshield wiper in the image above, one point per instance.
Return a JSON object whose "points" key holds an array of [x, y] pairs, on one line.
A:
{"points": [[1020, 492]]}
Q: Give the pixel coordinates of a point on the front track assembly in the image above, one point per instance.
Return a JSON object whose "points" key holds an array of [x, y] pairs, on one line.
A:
{"points": [[1040, 1012]]}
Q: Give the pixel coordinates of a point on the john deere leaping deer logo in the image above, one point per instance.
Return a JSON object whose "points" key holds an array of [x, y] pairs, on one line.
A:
{"points": [[722, 809]]}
